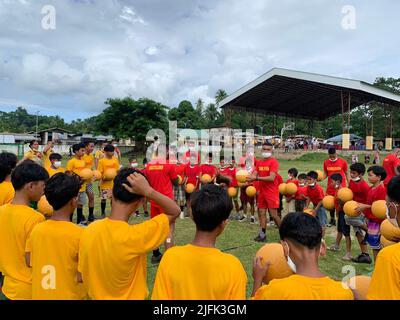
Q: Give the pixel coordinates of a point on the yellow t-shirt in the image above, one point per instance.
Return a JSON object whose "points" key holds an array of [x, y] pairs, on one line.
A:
{"points": [[6, 192], [298, 287], [76, 166], [385, 282], [222, 275], [112, 257], [89, 160], [52, 171], [105, 164], [54, 247], [46, 160], [16, 225], [34, 156]]}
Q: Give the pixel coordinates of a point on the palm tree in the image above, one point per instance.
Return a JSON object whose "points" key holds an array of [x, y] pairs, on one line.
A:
{"points": [[219, 96]]}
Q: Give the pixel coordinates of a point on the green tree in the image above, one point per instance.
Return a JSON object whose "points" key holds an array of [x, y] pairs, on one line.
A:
{"points": [[129, 118], [186, 116]]}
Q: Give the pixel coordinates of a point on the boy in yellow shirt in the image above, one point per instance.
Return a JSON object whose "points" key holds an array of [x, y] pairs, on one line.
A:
{"points": [[8, 161], [17, 221], [113, 254], [222, 275], [53, 246], [89, 161], [76, 165], [108, 162], [385, 282], [55, 164], [301, 236]]}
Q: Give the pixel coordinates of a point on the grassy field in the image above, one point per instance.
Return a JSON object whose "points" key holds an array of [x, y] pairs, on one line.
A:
{"points": [[238, 236]]}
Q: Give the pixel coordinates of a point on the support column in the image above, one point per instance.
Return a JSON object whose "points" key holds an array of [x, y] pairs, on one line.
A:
{"points": [[389, 130], [346, 131]]}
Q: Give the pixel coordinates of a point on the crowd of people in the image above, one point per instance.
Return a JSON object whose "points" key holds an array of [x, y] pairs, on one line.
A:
{"points": [[47, 256]]}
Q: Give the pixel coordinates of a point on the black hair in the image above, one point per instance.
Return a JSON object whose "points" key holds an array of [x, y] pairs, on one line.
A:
{"points": [[132, 158], [28, 171], [76, 147], [55, 156], [221, 158], [109, 148], [268, 144], [302, 176], [393, 189], [378, 171], [32, 142], [233, 158], [331, 150], [119, 192], [293, 172], [222, 179], [87, 142], [337, 177], [301, 228], [312, 175], [358, 167], [145, 161], [61, 188], [210, 155], [8, 161], [210, 206]]}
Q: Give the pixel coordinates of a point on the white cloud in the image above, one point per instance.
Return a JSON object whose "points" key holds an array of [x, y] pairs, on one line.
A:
{"points": [[175, 50]]}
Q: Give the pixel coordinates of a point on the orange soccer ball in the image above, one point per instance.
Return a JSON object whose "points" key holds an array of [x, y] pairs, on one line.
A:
{"points": [[206, 178], [242, 175], [345, 194], [291, 189], [251, 191], [110, 174], [389, 231], [190, 188], [278, 269], [385, 242], [349, 209], [86, 174], [309, 211], [329, 202], [320, 175], [44, 207], [232, 192], [97, 174], [282, 188], [378, 209]]}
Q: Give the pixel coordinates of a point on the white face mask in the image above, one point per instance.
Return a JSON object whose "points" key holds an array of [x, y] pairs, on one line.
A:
{"points": [[115, 145], [57, 164], [134, 165], [356, 179], [312, 184], [290, 262], [301, 184], [267, 155]]}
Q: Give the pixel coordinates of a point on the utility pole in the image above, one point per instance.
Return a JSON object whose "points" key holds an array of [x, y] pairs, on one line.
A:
{"points": [[37, 122]]}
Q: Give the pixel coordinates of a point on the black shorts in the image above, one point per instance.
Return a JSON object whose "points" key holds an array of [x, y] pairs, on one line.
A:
{"points": [[342, 226]]}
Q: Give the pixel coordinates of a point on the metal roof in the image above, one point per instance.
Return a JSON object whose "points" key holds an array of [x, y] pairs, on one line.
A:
{"points": [[305, 95]]}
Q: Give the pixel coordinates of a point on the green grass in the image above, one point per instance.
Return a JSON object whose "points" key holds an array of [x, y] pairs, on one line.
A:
{"points": [[237, 238]]}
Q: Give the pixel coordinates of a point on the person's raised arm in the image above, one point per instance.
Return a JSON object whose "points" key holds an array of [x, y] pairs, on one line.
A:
{"points": [[139, 185]]}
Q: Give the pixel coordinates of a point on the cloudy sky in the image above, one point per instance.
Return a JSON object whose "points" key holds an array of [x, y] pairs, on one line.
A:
{"points": [[170, 50]]}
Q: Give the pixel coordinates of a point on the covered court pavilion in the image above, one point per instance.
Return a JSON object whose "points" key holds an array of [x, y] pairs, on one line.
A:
{"points": [[297, 94]]}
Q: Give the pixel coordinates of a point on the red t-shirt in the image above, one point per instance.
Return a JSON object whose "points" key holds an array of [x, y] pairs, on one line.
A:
{"points": [[192, 173], [339, 166], [300, 192], [180, 169], [389, 164], [375, 194], [208, 169], [264, 168], [231, 173], [315, 194], [295, 181], [160, 176], [360, 190]]}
